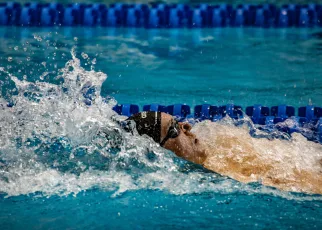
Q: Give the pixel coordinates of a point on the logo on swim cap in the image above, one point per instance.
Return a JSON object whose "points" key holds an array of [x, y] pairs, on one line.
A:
{"points": [[148, 123], [143, 115]]}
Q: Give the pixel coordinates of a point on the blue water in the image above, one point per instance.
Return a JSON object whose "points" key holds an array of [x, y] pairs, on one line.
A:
{"points": [[153, 209], [244, 66], [44, 186]]}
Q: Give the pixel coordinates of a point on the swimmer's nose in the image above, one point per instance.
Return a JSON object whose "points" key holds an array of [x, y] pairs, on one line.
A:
{"points": [[185, 126]]}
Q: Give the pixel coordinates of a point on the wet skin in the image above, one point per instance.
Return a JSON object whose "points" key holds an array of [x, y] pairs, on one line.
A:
{"points": [[186, 145]]}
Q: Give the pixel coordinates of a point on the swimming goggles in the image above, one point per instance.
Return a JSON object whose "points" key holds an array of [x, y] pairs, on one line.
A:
{"points": [[173, 132]]}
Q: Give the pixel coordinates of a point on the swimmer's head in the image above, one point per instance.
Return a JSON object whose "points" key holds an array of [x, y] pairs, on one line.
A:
{"points": [[170, 134], [148, 123]]}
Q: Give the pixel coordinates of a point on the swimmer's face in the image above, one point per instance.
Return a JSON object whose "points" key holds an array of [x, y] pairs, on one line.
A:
{"points": [[186, 145]]}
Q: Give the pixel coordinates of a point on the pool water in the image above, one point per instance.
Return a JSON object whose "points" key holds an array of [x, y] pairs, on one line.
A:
{"points": [[243, 66], [57, 171]]}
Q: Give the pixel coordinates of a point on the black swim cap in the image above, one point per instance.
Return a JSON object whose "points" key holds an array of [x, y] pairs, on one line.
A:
{"points": [[148, 123]]}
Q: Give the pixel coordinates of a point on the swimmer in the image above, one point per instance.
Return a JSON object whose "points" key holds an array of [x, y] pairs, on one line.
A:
{"points": [[241, 157]]}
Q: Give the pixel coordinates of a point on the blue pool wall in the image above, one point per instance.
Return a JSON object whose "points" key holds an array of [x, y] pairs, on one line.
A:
{"points": [[160, 15], [307, 116]]}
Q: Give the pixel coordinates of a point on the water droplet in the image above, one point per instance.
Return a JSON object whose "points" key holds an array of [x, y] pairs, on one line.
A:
{"points": [[44, 64], [10, 59], [75, 39], [16, 48], [24, 77], [84, 55], [38, 38], [28, 58], [25, 49]]}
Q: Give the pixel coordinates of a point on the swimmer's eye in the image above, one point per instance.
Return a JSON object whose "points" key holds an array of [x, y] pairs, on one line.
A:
{"points": [[173, 132]]}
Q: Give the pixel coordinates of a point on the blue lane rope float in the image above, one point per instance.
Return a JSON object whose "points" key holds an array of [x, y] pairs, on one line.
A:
{"points": [[160, 15], [309, 117]]}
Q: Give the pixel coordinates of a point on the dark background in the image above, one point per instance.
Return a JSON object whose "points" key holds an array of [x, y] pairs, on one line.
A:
{"points": [[276, 2]]}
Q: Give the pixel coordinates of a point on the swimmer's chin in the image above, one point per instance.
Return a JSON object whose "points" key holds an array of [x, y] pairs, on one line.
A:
{"points": [[201, 153]]}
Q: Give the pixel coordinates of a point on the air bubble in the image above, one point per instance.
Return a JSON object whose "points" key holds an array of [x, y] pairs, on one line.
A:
{"points": [[10, 59]]}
